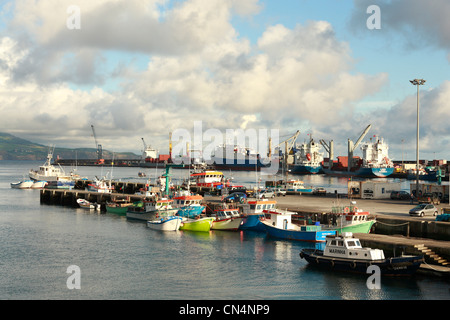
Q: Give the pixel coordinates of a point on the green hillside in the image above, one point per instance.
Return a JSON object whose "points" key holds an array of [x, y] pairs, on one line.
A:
{"points": [[14, 148]]}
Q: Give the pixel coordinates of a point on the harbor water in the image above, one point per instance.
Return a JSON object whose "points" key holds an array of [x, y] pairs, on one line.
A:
{"points": [[120, 259]]}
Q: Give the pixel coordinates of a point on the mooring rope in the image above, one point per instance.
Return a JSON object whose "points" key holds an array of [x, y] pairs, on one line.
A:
{"points": [[394, 225]]}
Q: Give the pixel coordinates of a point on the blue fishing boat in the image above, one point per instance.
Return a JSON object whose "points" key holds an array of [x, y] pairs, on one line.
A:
{"points": [[278, 224], [297, 186], [188, 205], [254, 213]]}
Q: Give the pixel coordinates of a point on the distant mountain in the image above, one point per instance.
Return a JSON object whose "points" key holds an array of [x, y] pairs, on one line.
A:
{"points": [[14, 148]]}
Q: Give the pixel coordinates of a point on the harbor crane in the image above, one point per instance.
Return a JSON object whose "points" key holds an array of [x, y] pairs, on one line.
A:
{"points": [[288, 145], [100, 159], [329, 147], [352, 146]]}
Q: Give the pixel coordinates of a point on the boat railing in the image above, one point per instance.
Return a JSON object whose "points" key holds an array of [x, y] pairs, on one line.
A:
{"points": [[344, 209]]}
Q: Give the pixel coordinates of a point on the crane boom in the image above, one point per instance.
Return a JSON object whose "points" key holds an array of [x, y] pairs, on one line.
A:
{"points": [[98, 146]]}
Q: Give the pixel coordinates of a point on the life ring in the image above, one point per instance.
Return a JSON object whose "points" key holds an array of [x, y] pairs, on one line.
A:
{"points": [[346, 210]]}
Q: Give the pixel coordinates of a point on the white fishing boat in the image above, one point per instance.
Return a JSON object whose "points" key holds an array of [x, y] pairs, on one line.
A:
{"points": [[55, 176], [24, 184], [85, 204], [101, 185], [168, 223], [226, 219], [345, 253]]}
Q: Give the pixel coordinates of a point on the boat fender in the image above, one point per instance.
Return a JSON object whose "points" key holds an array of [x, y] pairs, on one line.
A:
{"points": [[332, 263], [302, 255], [353, 264], [317, 260]]}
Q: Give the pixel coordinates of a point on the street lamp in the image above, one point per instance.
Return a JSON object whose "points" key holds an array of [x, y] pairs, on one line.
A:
{"points": [[417, 82]]}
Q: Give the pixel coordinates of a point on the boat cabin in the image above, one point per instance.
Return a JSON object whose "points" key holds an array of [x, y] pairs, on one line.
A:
{"points": [[161, 204], [224, 214], [208, 178], [345, 246], [258, 206], [281, 219], [187, 200]]}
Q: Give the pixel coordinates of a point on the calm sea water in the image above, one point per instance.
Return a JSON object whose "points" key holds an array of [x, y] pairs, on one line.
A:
{"points": [[119, 259]]}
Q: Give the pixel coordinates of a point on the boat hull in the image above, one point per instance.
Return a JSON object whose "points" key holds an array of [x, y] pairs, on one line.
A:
{"points": [[190, 211], [22, 184], [149, 215], [361, 172], [230, 224], [305, 169], [398, 266], [201, 225], [363, 227], [252, 222], [170, 223], [117, 209], [298, 235]]}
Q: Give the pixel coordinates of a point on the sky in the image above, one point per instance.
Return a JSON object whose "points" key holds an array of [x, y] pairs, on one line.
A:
{"points": [[144, 68]]}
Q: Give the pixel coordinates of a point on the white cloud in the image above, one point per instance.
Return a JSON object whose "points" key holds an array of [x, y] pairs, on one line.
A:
{"points": [[198, 70]]}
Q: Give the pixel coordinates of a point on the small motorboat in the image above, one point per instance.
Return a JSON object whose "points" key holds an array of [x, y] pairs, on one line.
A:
{"points": [[24, 184], [85, 204], [168, 223], [39, 184], [345, 253]]}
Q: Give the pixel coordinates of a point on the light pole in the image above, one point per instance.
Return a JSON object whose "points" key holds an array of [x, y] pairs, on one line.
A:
{"points": [[417, 82]]}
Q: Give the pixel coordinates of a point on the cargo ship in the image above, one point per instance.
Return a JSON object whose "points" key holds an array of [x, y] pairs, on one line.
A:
{"points": [[234, 157], [307, 158], [375, 162]]}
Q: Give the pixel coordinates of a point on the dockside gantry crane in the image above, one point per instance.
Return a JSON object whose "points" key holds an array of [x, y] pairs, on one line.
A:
{"points": [[100, 159]]}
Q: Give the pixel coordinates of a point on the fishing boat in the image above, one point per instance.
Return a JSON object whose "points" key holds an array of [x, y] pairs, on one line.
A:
{"points": [[151, 209], [118, 207], [278, 224], [226, 219], [307, 158], [24, 184], [345, 253], [101, 186], [168, 223], [253, 213], [38, 184], [85, 204], [55, 177], [209, 179], [198, 224], [297, 186], [189, 205], [350, 219]]}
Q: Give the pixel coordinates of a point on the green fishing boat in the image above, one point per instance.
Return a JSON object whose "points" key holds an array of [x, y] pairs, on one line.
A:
{"points": [[350, 219], [202, 224], [119, 207]]}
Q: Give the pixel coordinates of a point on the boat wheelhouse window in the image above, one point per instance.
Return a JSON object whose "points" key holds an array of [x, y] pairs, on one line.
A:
{"points": [[351, 243], [264, 207], [252, 206], [333, 242], [340, 243], [258, 207]]}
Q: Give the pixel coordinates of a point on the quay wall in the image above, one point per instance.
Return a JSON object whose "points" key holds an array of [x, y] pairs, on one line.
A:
{"points": [[437, 230]]}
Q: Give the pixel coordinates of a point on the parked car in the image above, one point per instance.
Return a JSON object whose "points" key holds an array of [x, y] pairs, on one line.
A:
{"points": [[235, 197], [424, 209], [320, 191], [278, 191], [400, 195], [429, 198], [265, 194]]}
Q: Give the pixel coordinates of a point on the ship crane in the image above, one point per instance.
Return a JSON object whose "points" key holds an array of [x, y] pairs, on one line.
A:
{"points": [[100, 159], [352, 147], [330, 149], [288, 145]]}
